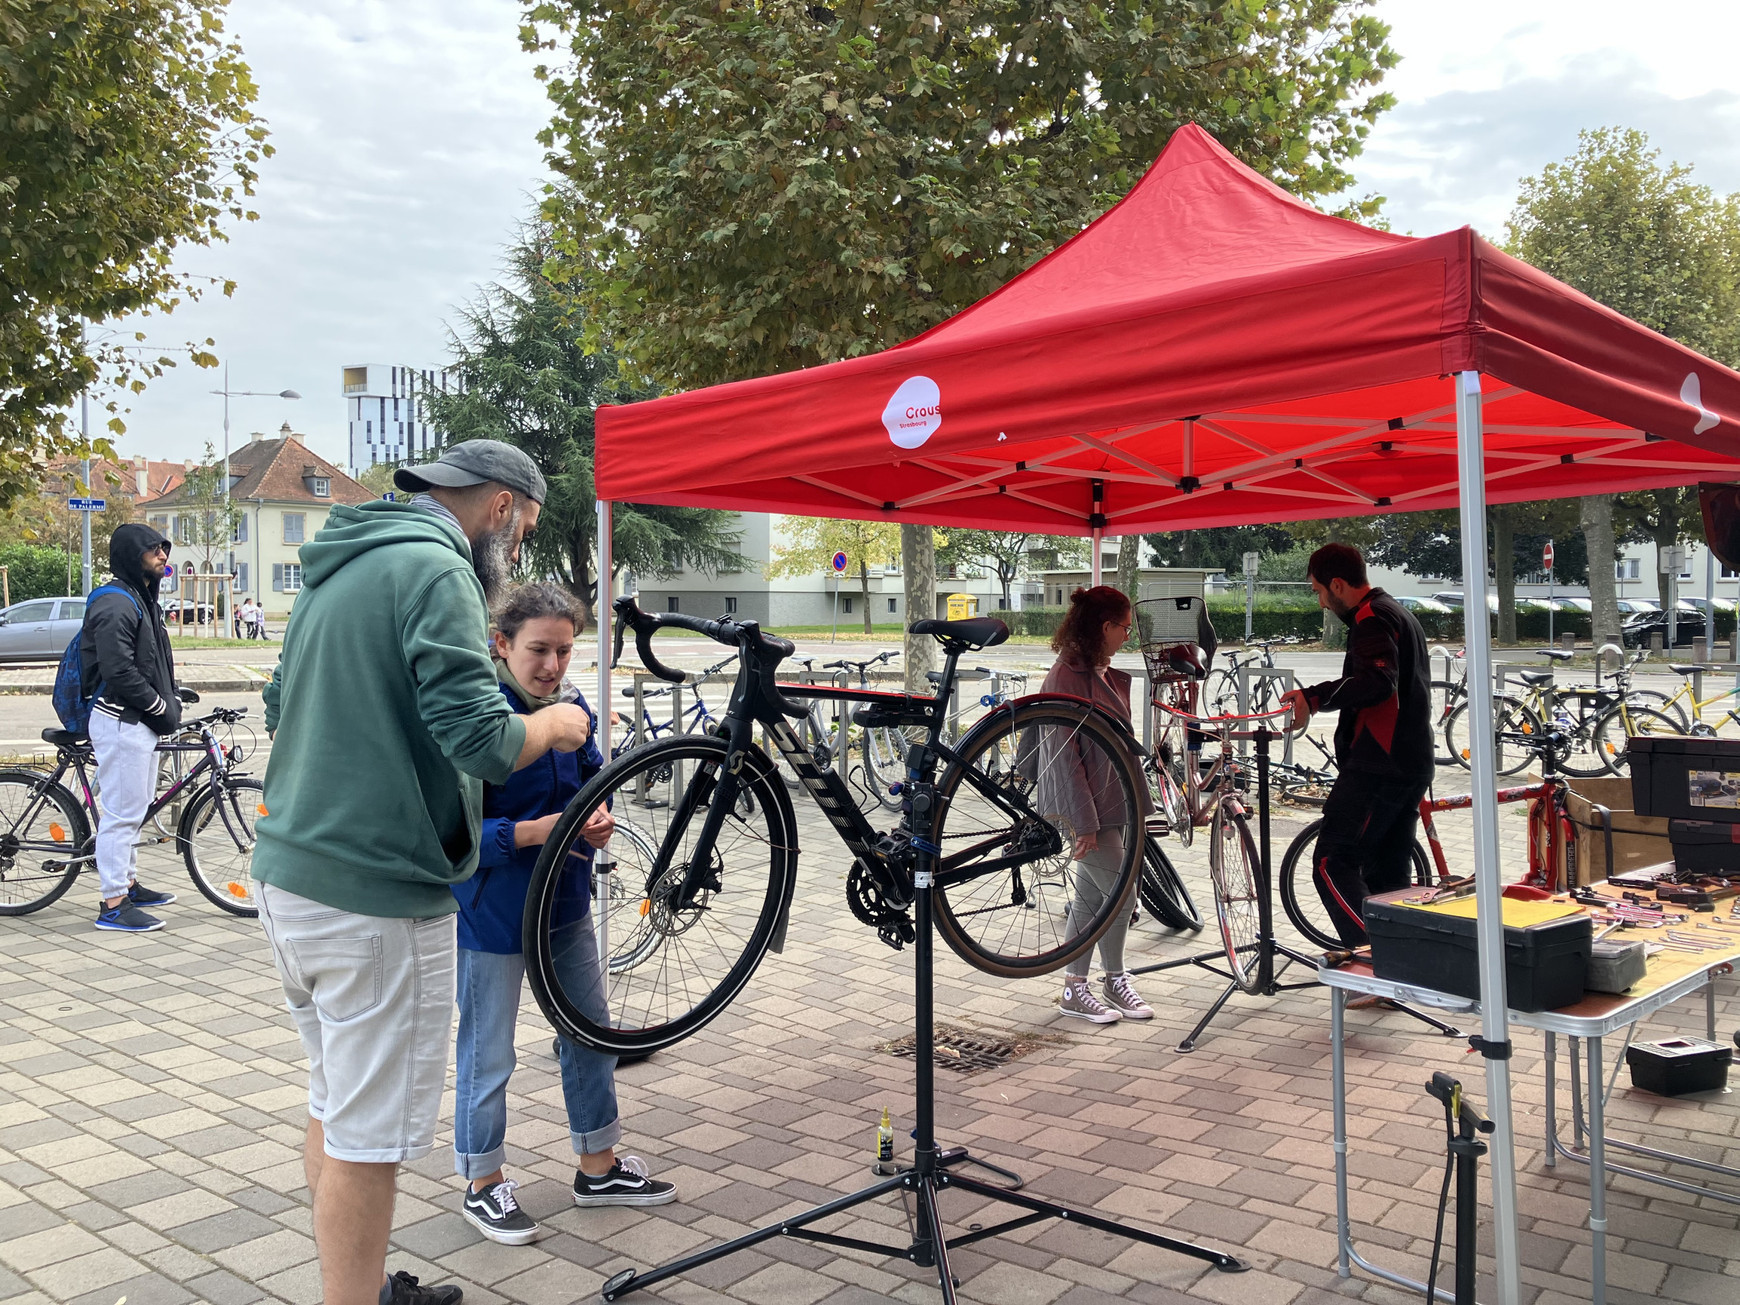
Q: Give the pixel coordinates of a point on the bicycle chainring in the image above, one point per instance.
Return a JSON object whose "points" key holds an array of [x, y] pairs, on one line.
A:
{"points": [[871, 905]]}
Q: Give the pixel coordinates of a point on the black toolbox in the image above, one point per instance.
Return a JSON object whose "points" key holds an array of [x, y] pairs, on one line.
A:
{"points": [[1705, 847], [1544, 964], [1685, 778], [1675, 1066]]}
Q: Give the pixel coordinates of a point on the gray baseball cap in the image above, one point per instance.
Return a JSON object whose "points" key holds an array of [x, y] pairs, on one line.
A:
{"points": [[476, 462]]}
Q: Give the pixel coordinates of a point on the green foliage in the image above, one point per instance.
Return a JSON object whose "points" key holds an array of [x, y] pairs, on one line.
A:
{"points": [[1219, 546], [201, 501], [811, 543], [1273, 617], [529, 381], [1642, 238], [126, 133], [33, 571], [751, 188], [1006, 554]]}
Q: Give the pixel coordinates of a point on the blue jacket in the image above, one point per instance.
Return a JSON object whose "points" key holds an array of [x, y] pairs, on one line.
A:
{"points": [[492, 903]]}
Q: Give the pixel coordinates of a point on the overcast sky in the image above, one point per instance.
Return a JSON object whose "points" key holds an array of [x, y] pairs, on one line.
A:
{"points": [[406, 158]]}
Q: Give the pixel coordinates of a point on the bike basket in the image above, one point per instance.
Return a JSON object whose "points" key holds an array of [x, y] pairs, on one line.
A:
{"points": [[1177, 637]]}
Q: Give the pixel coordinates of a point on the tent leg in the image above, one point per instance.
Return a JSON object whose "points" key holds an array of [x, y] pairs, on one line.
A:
{"points": [[1097, 524], [1494, 1017], [1094, 565], [604, 863]]}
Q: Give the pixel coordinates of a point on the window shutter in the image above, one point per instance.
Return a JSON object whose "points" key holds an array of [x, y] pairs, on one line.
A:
{"points": [[242, 577], [277, 577]]}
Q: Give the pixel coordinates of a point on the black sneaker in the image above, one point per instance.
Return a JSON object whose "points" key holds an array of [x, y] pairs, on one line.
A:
{"points": [[140, 895], [406, 1291], [126, 918], [498, 1215], [625, 1184]]}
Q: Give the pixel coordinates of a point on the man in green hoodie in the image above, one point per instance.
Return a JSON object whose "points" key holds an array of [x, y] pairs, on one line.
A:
{"points": [[386, 720]]}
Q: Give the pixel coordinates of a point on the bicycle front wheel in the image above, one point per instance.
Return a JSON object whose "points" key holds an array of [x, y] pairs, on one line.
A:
{"points": [[1615, 731], [1011, 898], [43, 832], [1232, 865], [216, 835], [682, 942], [1161, 889], [1516, 730], [1299, 896]]}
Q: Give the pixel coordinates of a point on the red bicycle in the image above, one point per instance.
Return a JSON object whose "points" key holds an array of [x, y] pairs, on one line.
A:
{"points": [[1552, 845]]}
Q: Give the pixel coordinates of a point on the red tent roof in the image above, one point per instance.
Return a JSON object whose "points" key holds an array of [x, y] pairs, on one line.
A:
{"points": [[1210, 351]]}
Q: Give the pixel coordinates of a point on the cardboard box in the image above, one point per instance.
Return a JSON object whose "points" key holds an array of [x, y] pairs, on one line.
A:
{"points": [[1637, 841]]}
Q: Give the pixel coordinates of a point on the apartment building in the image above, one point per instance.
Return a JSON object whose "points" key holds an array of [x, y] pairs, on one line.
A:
{"points": [[284, 491]]}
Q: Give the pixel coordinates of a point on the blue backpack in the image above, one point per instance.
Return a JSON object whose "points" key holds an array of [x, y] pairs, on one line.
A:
{"points": [[71, 703]]}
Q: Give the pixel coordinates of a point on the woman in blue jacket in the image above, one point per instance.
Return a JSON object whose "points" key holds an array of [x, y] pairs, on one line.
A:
{"points": [[533, 641]]}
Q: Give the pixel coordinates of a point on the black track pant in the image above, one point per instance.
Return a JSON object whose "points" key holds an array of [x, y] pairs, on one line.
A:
{"points": [[1365, 847]]}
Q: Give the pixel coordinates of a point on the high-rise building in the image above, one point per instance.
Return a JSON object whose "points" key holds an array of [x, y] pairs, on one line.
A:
{"points": [[389, 420]]}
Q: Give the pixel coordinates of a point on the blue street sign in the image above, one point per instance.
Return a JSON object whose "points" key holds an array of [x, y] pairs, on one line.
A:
{"points": [[390, 497], [839, 561], [87, 504]]}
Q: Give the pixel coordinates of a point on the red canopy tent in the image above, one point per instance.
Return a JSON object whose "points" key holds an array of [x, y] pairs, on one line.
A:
{"points": [[1213, 351], [1210, 351]]}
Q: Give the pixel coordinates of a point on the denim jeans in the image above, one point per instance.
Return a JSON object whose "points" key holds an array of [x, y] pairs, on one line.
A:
{"points": [[489, 1004]]}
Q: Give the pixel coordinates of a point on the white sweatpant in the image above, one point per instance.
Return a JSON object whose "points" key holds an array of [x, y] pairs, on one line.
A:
{"points": [[126, 781]]}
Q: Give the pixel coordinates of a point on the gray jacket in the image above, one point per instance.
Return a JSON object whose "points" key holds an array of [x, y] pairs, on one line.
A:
{"points": [[1076, 781]]}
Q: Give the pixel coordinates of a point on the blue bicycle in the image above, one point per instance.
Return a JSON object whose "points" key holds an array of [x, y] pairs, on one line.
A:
{"points": [[697, 718]]}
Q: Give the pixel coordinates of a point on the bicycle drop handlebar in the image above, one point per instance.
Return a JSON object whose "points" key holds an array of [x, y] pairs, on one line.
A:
{"points": [[757, 649]]}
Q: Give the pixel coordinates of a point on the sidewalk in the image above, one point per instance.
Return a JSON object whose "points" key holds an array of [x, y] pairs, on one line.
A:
{"points": [[152, 1108]]}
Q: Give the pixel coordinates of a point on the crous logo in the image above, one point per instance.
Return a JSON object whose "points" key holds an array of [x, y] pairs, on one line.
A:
{"points": [[914, 412]]}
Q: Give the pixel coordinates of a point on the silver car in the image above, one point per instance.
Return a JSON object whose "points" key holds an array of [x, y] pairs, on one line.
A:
{"points": [[39, 630]]}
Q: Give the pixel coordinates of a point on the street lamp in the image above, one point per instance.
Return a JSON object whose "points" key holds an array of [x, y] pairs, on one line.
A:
{"points": [[228, 394]]}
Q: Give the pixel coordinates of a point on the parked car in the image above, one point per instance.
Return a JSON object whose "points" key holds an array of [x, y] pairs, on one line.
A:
{"points": [[39, 630], [1703, 605], [1639, 605], [181, 611], [1583, 605], [1637, 629], [1415, 603]]}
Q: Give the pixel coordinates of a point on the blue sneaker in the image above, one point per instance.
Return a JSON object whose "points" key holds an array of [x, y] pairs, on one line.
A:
{"points": [[140, 895], [127, 918]]}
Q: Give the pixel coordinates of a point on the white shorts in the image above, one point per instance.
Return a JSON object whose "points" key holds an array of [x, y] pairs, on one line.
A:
{"points": [[373, 1001]]}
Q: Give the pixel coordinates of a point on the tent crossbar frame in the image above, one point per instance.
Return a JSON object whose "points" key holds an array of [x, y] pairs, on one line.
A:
{"points": [[816, 483]]}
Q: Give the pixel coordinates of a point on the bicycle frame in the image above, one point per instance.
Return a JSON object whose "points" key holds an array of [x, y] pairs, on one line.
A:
{"points": [[1548, 824]]}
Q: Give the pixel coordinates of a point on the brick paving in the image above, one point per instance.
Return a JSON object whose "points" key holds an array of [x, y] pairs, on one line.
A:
{"points": [[152, 1098]]}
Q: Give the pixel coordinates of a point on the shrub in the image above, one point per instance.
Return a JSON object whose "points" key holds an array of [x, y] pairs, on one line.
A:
{"points": [[33, 571]]}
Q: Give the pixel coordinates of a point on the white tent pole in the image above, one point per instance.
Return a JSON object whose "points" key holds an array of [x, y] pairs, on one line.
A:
{"points": [[1489, 927], [604, 863], [1097, 524]]}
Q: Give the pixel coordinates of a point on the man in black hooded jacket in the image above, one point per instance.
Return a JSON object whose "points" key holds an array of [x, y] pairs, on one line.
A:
{"points": [[126, 658]]}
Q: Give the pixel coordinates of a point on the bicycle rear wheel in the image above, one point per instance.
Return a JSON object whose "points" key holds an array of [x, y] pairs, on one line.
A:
{"points": [[43, 831], [1615, 730], [884, 763], [1445, 696], [216, 836], [1161, 889], [678, 951], [1517, 730], [1029, 777], [1300, 899]]}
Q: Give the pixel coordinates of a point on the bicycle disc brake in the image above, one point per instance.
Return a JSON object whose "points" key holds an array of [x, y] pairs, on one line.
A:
{"points": [[872, 907]]}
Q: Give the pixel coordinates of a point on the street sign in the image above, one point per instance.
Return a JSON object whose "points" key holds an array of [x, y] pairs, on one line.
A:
{"points": [[1671, 559], [1547, 557], [87, 504], [1252, 560], [839, 562], [390, 497], [169, 571]]}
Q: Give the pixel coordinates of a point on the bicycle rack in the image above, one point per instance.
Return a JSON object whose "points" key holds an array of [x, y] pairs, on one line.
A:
{"points": [[1288, 683]]}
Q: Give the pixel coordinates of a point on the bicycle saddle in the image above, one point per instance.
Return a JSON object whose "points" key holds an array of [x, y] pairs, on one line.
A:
{"points": [[65, 739], [1536, 677], [972, 634], [970, 673], [1556, 654], [1685, 668]]}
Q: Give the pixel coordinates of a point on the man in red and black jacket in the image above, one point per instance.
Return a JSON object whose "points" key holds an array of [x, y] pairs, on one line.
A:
{"points": [[1383, 741]]}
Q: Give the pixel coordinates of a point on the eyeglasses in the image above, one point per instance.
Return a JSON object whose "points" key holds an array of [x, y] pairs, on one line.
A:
{"points": [[159, 548]]}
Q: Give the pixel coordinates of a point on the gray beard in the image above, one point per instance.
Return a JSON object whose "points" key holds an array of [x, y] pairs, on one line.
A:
{"points": [[491, 559]]}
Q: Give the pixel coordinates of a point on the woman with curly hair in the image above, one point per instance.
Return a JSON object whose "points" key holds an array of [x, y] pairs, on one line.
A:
{"points": [[1097, 625]]}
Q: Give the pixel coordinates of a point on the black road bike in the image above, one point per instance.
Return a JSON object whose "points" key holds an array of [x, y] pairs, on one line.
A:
{"points": [[987, 822]]}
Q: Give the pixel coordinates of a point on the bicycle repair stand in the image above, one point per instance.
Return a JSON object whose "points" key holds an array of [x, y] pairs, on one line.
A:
{"points": [[933, 1169], [1267, 947], [1462, 1126]]}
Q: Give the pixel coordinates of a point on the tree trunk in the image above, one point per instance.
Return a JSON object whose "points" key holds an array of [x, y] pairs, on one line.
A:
{"points": [[1666, 533], [864, 585], [918, 562], [1130, 577], [1596, 517], [1504, 572]]}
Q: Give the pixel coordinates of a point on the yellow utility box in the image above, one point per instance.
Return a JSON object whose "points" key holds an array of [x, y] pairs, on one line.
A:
{"points": [[961, 606]]}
